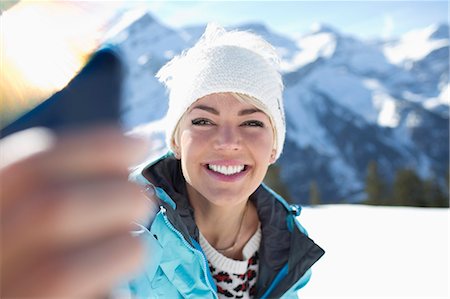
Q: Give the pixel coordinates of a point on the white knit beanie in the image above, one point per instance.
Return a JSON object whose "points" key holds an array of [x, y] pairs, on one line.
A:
{"points": [[225, 61]]}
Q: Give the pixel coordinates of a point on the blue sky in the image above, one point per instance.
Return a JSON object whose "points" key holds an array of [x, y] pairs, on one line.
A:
{"points": [[364, 19]]}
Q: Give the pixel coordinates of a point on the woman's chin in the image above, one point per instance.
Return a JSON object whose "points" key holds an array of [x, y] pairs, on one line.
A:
{"points": [[226, 198]]}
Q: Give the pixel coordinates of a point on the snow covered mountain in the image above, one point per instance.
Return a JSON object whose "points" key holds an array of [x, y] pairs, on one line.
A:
{"points": [[349, 104], [348, 101]]}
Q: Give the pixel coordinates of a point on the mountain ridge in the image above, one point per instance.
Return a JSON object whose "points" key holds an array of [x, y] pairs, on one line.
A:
{"points": [[347, 102]]}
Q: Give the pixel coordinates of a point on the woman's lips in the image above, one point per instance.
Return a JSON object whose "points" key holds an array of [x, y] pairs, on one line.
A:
{"points": [[226, 177]]}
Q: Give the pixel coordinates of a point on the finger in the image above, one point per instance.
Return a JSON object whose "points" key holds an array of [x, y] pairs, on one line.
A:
{"points": [[84, 273], [15, 148], [97, 152], [63, 218], [23, 144], [102, 151]]}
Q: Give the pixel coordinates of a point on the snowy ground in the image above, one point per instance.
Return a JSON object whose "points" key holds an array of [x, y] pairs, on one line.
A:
{"points": [[379, 252]]}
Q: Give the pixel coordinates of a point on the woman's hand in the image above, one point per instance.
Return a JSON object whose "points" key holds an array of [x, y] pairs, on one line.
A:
{"points": [[66, 210]]}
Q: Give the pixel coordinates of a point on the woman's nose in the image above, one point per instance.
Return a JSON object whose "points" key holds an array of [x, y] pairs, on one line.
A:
{"points": [[228, 138]]}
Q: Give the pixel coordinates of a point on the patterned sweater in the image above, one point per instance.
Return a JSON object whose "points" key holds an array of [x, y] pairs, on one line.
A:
{"points": [[234, 278]]}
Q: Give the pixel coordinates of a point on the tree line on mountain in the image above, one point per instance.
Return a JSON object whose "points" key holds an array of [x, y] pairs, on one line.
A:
{"points": [[407, 189]]}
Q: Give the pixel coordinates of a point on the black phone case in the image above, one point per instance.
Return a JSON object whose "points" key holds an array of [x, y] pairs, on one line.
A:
{"points": [[92, 97]]}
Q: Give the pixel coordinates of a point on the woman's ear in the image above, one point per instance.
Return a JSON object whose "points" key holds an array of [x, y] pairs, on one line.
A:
{"points": [[273, 156], [177, 155], [176, 150]]}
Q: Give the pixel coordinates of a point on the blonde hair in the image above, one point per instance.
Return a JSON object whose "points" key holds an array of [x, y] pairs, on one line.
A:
{"points": [[243, 98]]}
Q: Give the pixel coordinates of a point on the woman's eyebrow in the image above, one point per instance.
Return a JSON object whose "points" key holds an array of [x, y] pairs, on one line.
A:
{"points": [[216, 112], [207, 109], [249, 111]]}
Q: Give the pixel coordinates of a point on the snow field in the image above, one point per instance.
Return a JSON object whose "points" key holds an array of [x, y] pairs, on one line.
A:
{"points": [[378, 252]]}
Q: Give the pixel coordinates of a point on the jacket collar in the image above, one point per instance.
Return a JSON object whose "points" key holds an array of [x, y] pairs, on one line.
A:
{"points": [[282, 240]]}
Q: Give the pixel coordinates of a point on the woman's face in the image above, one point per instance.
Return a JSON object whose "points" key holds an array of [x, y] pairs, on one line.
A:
{"points": [[225, 148]]}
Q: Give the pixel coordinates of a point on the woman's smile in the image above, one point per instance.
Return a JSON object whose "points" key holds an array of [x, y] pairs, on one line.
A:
{"points": [[226, 171]]}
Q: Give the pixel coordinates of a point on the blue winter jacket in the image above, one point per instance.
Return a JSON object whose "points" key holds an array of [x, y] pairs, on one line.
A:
{"points": [[177, 267]]}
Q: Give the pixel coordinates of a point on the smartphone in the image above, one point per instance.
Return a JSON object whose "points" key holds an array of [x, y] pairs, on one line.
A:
{"points": [[92, 97]]}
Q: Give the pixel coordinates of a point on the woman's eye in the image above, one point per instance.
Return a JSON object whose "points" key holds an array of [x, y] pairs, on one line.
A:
{"points": [[253, 123], [201, 122]]}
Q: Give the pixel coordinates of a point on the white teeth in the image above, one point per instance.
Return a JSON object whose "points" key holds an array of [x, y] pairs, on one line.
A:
{"points": [[226, 170]]}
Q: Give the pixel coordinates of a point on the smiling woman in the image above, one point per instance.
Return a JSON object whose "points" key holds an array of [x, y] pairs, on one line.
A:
{"points": [[224, 141], [221, 232]]}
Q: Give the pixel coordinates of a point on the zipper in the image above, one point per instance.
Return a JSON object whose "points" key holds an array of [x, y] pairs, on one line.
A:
{"points": [[282, 274], [196, 251]]}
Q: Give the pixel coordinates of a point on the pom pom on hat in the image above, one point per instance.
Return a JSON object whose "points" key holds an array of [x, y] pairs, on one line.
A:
{"points": [[225, 61]]}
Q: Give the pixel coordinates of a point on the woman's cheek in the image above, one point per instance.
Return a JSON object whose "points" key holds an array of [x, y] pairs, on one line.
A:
{"points": [[262, 139], [202, 134], [194, 137]]}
